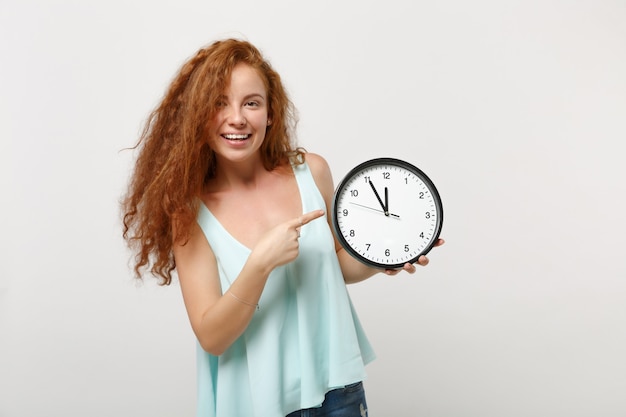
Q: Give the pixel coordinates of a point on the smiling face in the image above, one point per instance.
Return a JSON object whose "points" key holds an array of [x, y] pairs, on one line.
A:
{"points": [[238, 128]]}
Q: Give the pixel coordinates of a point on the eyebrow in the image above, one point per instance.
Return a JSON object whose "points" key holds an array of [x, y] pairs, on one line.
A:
{"points": [[259, 95], [224, 97]]}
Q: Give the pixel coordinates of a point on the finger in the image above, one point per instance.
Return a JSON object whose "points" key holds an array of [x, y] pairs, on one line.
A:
{"points": [[307, 217], [410, 268], [439, 242], [423, 260]]}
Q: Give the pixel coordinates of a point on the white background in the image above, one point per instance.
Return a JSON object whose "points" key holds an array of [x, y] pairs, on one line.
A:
{"points": [[515, 109]]}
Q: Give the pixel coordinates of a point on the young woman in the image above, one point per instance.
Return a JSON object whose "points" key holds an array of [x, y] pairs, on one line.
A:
{"points": [[220, 195]]}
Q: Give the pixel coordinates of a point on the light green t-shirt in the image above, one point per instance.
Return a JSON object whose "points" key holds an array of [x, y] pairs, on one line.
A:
{"points": [[304, 340]]}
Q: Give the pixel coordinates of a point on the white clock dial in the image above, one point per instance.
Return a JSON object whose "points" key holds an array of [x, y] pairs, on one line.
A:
{"points": [[386, 213]]}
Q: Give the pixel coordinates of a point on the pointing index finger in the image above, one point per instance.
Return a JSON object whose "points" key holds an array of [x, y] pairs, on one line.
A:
{"points": [[307, 217]]}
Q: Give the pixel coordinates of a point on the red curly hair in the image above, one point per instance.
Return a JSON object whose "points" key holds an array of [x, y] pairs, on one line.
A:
{"points": [[175, 160]]}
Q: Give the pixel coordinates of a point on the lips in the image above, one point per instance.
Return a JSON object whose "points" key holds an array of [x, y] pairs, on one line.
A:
{"points": [[236, 137]]}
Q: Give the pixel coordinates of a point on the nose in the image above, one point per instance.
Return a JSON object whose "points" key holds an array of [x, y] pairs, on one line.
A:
{"points": [[236, 118]]}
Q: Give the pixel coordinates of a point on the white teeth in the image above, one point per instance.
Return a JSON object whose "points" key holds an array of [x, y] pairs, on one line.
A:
{"points": [[236, 137]]}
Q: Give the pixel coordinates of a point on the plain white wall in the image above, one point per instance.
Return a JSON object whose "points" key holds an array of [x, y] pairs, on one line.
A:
{"points": [[515, 109]]}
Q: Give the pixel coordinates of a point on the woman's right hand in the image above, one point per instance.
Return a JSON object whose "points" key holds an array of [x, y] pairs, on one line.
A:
{"points": [[280, 245]]}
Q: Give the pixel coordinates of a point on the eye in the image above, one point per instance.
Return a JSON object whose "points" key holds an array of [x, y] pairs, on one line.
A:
{"points": [[221, 102], [252, 103]]}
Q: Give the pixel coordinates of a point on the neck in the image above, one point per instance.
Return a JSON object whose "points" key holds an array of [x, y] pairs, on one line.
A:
{"points": [[233, 174]]}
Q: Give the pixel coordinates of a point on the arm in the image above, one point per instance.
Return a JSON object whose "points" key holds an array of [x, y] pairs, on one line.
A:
{"points": [[353, 270], [218, 320]]}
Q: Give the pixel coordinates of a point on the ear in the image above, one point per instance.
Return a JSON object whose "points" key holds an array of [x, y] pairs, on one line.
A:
{"points": [[269, 122]]}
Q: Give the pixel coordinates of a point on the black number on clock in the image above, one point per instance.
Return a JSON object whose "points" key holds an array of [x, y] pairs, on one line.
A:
{"points": [[406, 248], [354, 193], [345, 212], [387, 252], [386, 175], [352, 233]]}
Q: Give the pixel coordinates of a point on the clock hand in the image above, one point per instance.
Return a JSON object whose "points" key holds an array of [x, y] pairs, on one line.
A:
{"points": [[386, 201], [379, 200], [376, 210]]}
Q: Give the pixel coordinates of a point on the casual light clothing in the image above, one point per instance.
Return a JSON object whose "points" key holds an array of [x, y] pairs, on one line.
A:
{"points": [[305, 339]]}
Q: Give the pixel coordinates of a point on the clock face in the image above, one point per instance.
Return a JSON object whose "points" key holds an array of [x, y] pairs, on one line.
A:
{"points": [[387, 212]]}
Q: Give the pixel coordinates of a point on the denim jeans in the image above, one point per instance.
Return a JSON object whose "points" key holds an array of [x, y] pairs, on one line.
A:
{"points": [[348, 401]]}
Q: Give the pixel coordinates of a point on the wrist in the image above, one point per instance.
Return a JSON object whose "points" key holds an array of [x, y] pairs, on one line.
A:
{"points": [[258, 266]]}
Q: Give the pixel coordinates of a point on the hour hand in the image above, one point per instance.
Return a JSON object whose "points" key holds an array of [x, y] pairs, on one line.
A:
{"points": [[383, 205]]}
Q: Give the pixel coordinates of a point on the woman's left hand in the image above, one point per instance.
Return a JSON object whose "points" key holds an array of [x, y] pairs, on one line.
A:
{"points": [[410, 268]]}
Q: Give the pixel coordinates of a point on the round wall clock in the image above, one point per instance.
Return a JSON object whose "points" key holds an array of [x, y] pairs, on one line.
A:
{"points": [[386, 212]]}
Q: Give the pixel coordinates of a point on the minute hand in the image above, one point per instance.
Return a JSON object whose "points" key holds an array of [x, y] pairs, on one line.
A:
{"points": [[379, 199], [386, 200]]}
